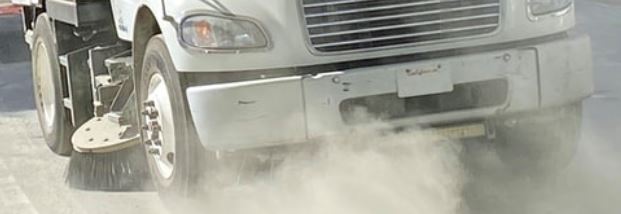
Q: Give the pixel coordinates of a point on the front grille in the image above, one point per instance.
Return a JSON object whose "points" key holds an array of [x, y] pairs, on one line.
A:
{"points": [[351, 25]]}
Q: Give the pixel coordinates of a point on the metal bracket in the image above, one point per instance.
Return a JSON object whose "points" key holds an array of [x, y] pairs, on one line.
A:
{"points": [[99, 135], [80, 99]]}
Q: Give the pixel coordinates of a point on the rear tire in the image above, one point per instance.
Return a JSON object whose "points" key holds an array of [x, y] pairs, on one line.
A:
{"points": [[48, 88], [184, 160], [539, 146]]}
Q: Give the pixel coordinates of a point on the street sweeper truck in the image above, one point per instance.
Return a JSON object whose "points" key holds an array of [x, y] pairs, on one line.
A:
{"points": [[166, 88]]}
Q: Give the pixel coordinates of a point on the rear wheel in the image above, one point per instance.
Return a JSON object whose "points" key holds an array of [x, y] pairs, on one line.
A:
{"points": [[543, 143], [47, 85], [172, 151]]}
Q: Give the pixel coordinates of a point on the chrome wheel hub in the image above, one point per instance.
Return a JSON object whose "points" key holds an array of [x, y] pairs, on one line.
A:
{"points": [[159, 126]]}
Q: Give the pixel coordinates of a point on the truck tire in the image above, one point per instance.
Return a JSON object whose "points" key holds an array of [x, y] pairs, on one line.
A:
{"points": [[541, 147], [172, 151], [48, 88]]}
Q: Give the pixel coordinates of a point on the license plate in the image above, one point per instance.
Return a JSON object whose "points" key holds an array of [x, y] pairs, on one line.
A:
{"points": [[433, 78]]}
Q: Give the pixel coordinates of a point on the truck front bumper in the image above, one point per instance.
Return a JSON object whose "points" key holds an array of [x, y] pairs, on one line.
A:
{"points": [[295, 109]]}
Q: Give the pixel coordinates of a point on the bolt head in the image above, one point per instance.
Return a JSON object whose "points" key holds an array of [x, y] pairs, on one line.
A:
{"points": [[154, 135], [156, 127], [149, 103], [153, 151], [150, 112], [506, 57], [153, 114]]}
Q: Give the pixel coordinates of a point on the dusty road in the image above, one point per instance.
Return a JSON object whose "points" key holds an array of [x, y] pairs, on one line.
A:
{"points": [[32, 179]]}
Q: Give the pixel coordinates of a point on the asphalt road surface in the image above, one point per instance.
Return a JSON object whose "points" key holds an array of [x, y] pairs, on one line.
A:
{"points": [[32, 178]]}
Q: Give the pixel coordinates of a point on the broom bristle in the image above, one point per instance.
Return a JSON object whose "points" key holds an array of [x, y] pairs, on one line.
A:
{"points": [[124, 170]]}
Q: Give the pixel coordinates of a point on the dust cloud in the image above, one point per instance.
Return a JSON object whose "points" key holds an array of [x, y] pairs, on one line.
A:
{"points": [[589, 184], [364, 171], [367, 172]]}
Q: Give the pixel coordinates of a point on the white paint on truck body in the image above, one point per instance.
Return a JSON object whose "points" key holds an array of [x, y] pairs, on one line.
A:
{"points": [[25, 2], [284, 25], [124, 12], [248, 114], [292, 109]]}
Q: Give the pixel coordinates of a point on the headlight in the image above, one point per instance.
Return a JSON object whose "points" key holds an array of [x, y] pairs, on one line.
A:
{"points": [[542, 7], [225, 33]]}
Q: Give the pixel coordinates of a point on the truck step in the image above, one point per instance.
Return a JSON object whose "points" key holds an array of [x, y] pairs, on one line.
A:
{"points": [[101, 135]]}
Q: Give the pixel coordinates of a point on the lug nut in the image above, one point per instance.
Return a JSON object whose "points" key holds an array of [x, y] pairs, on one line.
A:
{"points": [[154, 135], [156, 127], [150, 112], [152, 124], [153, 151], [153, 142], [153, 114], [149, 103]]}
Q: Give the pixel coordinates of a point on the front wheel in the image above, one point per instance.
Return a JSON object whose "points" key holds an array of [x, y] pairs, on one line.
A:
{"points": [[540, 143], [171, 150]]}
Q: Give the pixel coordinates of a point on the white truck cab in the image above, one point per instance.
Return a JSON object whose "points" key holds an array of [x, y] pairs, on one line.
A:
{"points": [[233, 75]]}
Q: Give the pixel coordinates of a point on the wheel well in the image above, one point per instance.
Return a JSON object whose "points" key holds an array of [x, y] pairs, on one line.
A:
{"points": [[142, 33]]}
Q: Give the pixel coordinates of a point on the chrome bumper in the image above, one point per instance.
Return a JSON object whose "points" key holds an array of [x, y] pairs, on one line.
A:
{"points": [[298, 108]]}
